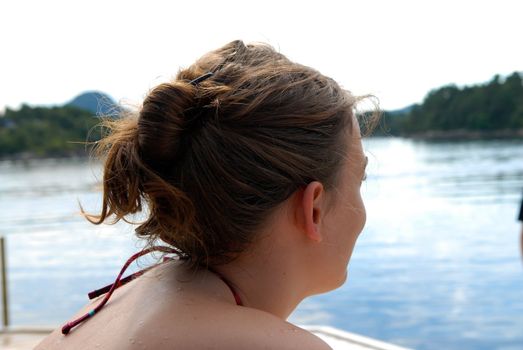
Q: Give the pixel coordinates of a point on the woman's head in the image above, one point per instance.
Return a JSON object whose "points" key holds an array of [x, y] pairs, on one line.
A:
{"points": [[211, 161]]}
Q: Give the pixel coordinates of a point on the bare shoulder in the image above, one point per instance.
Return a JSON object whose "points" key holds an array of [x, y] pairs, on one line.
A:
{"points": [[293, 337], [242, 328], [261, 330]]}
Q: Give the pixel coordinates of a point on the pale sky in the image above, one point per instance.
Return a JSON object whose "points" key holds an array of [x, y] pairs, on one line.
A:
{"points": [[397, 50]]}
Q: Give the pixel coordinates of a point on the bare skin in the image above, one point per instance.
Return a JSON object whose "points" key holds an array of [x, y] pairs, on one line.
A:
{"points": [[160, 310], [167, 308]]}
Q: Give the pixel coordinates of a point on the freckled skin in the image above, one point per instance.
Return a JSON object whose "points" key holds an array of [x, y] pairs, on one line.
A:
{"points": [[189, 318]]}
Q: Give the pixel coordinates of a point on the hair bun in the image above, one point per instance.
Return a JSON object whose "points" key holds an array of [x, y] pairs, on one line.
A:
{"points": [[162, 121]]}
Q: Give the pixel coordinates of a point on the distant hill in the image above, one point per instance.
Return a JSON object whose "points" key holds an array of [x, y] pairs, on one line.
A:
{"points": [[95, 102]]}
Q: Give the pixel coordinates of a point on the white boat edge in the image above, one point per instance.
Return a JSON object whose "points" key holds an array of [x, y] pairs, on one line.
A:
{"points": [[359, 341]]}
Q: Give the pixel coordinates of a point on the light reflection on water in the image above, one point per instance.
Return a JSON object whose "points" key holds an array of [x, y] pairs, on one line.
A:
{"points": [[437, 265]]}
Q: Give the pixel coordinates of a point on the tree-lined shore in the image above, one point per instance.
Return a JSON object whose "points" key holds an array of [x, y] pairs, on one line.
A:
{"points": [[490, 110], [36, 132], [58, 131], [493, 109]]}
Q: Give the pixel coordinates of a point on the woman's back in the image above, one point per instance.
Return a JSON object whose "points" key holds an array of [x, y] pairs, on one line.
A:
{"points": [[168, 308]]}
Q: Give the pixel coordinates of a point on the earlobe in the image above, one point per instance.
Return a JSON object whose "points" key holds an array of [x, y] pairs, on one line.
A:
{"points": [[312, 206]]}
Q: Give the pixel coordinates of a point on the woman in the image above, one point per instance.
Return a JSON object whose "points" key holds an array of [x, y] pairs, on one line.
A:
{"points": [[249, 167]]}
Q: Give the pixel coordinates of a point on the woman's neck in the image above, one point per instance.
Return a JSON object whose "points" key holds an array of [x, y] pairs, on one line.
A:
{"points": [[270, 278]]}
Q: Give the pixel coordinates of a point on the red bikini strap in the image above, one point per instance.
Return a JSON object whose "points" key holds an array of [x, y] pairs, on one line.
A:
{"points": [[236, 296], [67, 327], [109, 289], [103, 290]]}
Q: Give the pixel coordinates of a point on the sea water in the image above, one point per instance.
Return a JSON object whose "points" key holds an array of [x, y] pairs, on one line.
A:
{"points": [[437, 266]]}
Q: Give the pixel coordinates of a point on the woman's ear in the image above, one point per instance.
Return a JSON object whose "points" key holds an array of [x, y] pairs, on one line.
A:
{"points": [[312, 210]]}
